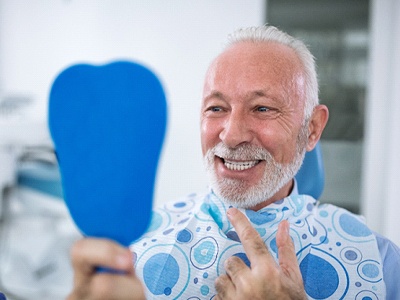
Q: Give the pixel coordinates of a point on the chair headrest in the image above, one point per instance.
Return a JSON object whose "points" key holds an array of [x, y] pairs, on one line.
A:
{"points": [[311, 176]]}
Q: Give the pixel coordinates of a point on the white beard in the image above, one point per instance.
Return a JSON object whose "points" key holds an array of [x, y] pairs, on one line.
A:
{"points": [[276, 175]]}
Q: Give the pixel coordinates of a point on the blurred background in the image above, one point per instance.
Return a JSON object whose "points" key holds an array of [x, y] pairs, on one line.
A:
{"points": [[355, 43]]}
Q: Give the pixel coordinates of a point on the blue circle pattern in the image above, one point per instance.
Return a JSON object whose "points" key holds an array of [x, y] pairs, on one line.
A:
{"points": [[366, 295], [325, 263], [179, 204], [369, 270], [169, 273], [351, 255], [204, 253], [184, 236], [204, 290], [353, 227]]}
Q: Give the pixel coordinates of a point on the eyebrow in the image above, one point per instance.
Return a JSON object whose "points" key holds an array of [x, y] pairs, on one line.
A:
{"points": [[262, 93], [258, 93], [251, 95], [214, 94]]}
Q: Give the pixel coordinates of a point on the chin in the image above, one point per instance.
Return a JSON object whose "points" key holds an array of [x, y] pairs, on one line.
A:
{"points": [[234, 193], [241, 193]]}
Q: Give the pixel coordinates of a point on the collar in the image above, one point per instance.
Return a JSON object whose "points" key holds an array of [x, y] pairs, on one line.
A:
{"points": [[289, 207], [295, 189]]}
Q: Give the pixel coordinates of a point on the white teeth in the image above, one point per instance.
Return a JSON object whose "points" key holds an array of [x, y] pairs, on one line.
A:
{"points": [[240, 166]]}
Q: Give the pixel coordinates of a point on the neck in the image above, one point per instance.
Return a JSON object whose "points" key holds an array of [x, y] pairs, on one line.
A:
{"points": [[282, 193]]}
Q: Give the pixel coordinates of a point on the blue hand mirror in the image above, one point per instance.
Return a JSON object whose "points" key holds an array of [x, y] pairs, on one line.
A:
{"points": [[108, 125]]}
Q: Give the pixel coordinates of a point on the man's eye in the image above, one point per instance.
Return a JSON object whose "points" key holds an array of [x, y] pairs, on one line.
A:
{"points": [[262, 108], [215, 109]]}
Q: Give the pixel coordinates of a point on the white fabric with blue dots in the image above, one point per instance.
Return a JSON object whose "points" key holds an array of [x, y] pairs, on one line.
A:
{"points": [[188, 241]]}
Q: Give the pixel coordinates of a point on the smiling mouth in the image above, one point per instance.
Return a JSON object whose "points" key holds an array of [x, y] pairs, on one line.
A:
{"points": [[239, 165]]}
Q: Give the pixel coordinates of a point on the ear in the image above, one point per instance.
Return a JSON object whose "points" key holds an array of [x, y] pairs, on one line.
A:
{"points": [[316, 126]]}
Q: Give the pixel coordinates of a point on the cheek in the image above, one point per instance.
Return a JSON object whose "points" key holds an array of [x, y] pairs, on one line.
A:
{"points": [[278, 143], [209, 134], [267, 136]]}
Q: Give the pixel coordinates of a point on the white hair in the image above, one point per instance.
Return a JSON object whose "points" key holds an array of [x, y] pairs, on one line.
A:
{"points": [[272, 34]]}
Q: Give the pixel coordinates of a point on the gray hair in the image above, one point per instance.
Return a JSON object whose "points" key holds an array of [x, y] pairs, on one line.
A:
{"points": [[272, 34]]}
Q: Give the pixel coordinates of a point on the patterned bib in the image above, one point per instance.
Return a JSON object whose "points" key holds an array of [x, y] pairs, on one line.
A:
{"points": [[188, 241]]}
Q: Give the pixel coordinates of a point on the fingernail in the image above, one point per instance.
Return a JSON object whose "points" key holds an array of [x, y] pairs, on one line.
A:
{"points": [[231, 212]]}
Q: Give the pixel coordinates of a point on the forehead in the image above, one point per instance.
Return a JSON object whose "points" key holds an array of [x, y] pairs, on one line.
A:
{"points": [[250, 66]]}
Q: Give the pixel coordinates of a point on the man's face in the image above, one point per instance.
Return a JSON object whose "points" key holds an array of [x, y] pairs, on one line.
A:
{"points": [[252, 129]]}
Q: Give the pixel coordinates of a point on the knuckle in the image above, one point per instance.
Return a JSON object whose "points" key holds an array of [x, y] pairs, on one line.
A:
{"points": [[108, 249], [247, 232], [232, 263], [292, 272], [76, 247], [250, 236], [220, 283], [77, 250], [259, 247]]}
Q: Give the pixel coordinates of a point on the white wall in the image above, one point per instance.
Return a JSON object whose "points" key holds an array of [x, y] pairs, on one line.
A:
{"points": [[381, 181], [176, 38]]}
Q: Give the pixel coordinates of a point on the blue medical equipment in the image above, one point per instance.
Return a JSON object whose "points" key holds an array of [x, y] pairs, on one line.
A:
{"points": [[108, 125], [311, 176]]}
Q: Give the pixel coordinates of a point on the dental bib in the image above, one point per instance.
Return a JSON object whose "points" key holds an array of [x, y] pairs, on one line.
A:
{"points": [[188, 241]]}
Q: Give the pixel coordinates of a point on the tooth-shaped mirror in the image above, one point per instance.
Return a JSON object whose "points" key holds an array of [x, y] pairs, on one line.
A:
{"points": [[108, 125]]}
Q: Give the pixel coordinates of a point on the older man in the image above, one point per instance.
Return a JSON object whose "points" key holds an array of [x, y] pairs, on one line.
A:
{"points": [[252, 236]]}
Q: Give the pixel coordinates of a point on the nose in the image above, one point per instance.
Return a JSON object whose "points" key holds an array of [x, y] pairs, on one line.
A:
{"points": [[236, 130]]}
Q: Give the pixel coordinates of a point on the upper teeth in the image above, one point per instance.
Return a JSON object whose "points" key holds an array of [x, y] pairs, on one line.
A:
{"points": [[240, 166]]}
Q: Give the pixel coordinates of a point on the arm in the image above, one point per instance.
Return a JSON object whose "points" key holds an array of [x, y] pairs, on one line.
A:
{"points": [[87, 255], [390, 255], [265, 279]]}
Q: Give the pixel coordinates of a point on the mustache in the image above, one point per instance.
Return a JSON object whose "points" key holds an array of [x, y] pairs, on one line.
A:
{"points": [[242, 152]]}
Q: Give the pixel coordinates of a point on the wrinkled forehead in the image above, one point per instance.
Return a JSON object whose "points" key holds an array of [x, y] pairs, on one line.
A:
{"points": [[252, 63]]}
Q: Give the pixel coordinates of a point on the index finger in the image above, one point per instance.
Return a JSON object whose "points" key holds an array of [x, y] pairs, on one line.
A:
{"points": [[251, 240]]}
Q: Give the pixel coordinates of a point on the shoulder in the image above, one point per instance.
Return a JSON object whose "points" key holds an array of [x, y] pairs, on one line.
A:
{"points": [[344, 219], [387, 248], [388, 251], [390, 254]]}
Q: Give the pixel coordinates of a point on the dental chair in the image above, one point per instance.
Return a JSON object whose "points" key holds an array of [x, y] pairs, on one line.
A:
{"points": [[311, 177], [37, 231]]}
